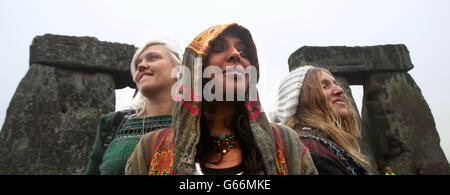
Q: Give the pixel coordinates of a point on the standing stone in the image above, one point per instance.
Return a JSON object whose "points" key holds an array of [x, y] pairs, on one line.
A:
{"points": [[398, 129], [52, 120], [400, 125]]}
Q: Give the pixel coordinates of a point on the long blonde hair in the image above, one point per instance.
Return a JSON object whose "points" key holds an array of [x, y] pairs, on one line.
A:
{"points": [[314, 111]]}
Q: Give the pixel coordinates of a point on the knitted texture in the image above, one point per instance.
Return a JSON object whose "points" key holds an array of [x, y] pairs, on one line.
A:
{"points": [[289, 95], [113, 161]]}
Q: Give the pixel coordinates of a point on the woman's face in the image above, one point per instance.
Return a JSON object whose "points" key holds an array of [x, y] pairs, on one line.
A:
{"points": [[229, 51], [153, 70], [333, 93]]}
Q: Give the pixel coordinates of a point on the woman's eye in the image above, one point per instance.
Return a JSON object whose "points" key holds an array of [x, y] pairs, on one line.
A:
{"points": [[243, 52], [152, 58], [217, 48]]}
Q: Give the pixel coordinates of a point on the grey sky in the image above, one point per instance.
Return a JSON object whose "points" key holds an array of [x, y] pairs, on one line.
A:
{"points": [[278, 28]]}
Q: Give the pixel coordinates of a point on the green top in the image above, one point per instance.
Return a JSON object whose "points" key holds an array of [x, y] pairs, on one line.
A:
{"points": [[113, 161]]}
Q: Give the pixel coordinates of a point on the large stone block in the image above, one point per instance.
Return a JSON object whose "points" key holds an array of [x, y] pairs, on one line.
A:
{"points": [[86, 54], [354, 63], [52, 120], [400, 125]]}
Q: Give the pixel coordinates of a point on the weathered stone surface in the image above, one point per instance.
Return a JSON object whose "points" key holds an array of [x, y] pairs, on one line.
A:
{"points": [[52, 120], [400, 125], [86, 54], [398, 129], [355, 63]]}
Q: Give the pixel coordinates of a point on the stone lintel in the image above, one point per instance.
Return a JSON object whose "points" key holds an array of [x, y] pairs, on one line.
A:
{"points": [[354, 63], [86, 54]]}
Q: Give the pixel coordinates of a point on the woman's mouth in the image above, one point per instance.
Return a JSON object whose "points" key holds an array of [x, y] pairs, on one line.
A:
{"points": [[145, 74], [236, 73], [338, 101]]}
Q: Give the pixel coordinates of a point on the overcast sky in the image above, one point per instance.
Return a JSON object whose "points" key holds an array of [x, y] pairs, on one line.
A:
{"points": [[278, 28]]}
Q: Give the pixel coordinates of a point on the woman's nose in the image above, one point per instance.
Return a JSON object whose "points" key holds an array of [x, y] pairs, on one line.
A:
{"points": [[338, 90], [142, 66], [234, 55]]}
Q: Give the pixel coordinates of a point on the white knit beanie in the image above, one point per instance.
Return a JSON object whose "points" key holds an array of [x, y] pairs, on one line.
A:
{"points": [[289, 95]]}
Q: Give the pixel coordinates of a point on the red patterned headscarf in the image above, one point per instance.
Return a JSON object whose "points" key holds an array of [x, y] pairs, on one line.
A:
{"points": [[186, 113]]}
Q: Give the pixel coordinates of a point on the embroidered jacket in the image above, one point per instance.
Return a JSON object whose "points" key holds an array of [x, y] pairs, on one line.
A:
{"points": [[159, 146], [330, 158]]}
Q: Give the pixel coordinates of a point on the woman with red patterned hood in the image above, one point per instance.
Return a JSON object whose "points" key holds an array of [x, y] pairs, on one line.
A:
{"points": [[219, 126]]}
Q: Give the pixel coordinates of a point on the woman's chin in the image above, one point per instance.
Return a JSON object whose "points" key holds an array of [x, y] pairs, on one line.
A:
{"points": [[343, 114]]}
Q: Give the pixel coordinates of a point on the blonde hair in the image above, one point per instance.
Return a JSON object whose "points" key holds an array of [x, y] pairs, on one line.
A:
{"points": [[138, 103], [314, 111]]}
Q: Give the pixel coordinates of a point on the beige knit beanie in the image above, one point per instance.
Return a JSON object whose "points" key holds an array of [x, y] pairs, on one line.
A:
{"points": [[289, 95]]}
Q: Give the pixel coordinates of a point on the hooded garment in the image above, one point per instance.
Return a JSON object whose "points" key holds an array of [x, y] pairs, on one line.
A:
{"points": [[173, 150]]}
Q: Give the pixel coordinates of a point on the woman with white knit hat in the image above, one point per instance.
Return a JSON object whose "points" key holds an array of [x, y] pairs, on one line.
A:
{"points": [[310, 101]]}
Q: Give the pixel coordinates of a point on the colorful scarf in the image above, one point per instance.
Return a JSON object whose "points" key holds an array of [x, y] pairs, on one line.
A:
{"points": [[186, 114]]}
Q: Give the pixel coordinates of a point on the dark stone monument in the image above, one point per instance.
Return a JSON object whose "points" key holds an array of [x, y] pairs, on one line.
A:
{"points": [[398, 128], [51, 122]]}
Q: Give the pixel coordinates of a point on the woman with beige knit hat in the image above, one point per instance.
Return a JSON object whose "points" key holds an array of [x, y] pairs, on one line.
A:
{"points": [[313, 104]]}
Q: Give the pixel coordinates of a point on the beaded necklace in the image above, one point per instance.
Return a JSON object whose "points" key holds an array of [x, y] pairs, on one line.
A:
{"points": [[223, 143]]}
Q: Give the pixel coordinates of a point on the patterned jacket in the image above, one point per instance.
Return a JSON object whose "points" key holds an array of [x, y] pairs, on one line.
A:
{"points": [[329, 158]]}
